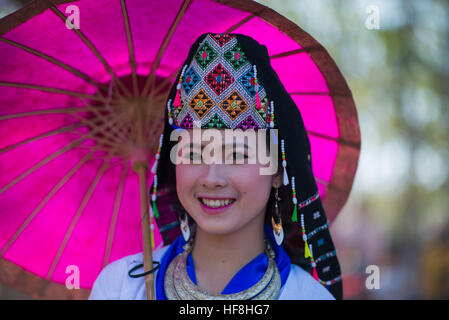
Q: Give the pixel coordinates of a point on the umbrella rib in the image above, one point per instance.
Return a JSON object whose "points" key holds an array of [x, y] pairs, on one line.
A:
{"points": [[70, 146], [109, 121], [118, 132], [132, 58], [81, 208], [47, 111], [348, 143], [168, 36], [117, 145], [43, 135], [311, 93], [125, 128], [44, 201], [94, 50], [167, 80], [55, 61], [117, 202], [103, 144], [296, 51], [52, 90], [40, 164], [240, 23]]}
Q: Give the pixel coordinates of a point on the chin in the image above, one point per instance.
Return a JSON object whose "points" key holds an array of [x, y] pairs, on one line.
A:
{"points": [[216, 227]]}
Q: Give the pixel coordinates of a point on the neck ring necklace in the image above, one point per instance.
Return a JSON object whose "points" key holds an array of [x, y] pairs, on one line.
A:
{"points": [[179, 286]]}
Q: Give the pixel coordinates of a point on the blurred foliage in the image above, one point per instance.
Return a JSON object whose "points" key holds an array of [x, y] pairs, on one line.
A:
{"points": [[9, 6], [399, 76]]}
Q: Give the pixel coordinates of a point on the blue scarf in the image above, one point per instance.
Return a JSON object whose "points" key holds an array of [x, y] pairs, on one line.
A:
{"points": [[246, 277]]}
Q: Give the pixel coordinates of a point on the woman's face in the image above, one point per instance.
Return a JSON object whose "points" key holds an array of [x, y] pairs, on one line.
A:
{"points": [[222, 198]]}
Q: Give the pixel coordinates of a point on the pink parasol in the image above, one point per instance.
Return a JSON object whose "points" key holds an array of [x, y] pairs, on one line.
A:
{"points": [[82, 110]]}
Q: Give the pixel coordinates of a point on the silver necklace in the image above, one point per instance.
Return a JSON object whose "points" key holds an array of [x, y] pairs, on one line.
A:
{"points": [[179, 286]]}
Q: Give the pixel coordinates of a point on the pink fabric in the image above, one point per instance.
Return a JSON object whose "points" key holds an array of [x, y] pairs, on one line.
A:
{"points": [[36, 248]]}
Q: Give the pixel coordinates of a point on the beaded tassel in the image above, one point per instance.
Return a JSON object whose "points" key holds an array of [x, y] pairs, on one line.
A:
{"points": [[152, 229], [170, 116], [256, 87], [272, 115], [314, 273], [307, 253], [295, 201], [153, 198], [284, 163], [158, 155], [178, 88]]}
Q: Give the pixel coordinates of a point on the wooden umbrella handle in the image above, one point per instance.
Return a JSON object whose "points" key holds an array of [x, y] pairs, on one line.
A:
{"points": [[141, 168]]}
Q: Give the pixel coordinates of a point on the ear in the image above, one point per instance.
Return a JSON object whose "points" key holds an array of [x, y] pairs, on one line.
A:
{"points": [[277, 181]]}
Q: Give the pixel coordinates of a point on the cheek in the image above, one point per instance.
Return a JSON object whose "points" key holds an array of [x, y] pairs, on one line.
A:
{"points": [[185, 178], [252, 185]]}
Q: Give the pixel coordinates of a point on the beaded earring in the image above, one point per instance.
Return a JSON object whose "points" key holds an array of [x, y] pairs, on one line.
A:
{"points": [[158, 154], [308, 249], [170, 115], [153, 197], [256, 88], [178, 88], [152, 227], [295, 202], [272, 115], [278, 231], [185, 229], [284, 163], [183, 222]]}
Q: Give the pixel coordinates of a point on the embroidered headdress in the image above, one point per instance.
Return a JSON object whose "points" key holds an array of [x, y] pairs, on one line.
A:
{"points": [[227, 82]]}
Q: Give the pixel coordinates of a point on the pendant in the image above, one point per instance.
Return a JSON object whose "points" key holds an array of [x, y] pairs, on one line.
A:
{"points": [[278, 232], [185, 229]]}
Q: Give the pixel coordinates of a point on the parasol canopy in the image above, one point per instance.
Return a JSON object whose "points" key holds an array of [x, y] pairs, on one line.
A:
{"points": [[80, 107]]}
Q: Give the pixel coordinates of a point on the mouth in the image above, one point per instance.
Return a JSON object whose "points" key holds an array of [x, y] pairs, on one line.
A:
{"points": [[216, 203]]}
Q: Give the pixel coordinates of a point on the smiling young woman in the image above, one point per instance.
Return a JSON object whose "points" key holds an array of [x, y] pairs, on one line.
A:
{"points": [[228, 209], [233, 214]]}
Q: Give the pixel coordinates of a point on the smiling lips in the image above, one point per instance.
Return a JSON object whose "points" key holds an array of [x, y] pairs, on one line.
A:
{"points": [[216, 203]]}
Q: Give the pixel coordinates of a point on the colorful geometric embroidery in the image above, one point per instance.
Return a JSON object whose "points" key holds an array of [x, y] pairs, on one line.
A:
{"points": [[248, 123], [190, 79], [233, 105], [216, 122], [263, 111], [205, 55], [207, 84], [236, 57], [219, 79], [221, 38], [201, 103], [177, 110], [247, 82], [187, 122]]}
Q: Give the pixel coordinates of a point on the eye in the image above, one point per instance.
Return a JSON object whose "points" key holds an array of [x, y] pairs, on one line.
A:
{"points": [[193, 156], [235, 156]]}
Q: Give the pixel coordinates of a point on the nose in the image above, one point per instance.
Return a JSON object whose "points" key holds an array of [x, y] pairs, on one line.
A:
{"points": [[213, 177]]}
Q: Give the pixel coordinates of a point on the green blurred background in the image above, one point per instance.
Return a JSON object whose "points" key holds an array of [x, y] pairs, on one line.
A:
{"points": [[397, 215]]}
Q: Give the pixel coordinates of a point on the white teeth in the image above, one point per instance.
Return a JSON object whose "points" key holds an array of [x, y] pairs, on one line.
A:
{"points": [[216, 203]]}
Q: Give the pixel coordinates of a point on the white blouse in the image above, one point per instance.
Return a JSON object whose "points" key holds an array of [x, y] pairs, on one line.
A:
{"points": [[114, 283]]}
